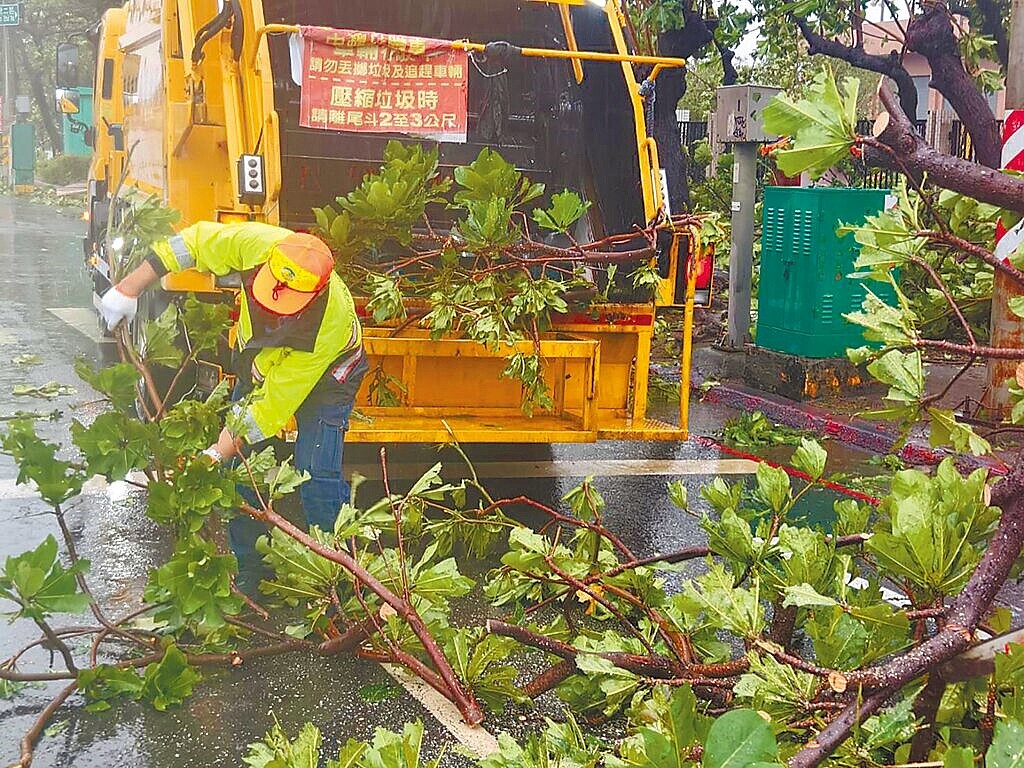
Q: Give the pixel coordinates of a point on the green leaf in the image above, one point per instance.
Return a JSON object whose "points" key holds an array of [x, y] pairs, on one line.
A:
{"points": [[727, 606], [1017, 305], [947, 430], [9, 688], [895, 726], [40, 585], [958, 757], [731, 537], [115, 444], [773, 486], [585, 501], [805, 596], [104, 684], [810, 457], [819, 124], [677, 494], [195, 584], [393, 750], [565, 210], [840, 641], [776, 688], [278, 751], [375, 693], [57, 481], [169, 681], [1010, 666], [51, 390], [118, 383], [206, 323], [161, 339], [348, 755], [491, 177], [755, 430], [739, 738], [285, 480], [904, 373], [1007, 750]]}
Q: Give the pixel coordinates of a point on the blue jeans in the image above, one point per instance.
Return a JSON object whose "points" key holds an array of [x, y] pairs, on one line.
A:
{"points": [[318, 451]]}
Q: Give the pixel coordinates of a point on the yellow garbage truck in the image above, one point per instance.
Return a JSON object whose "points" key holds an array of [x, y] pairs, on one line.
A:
{"points": [[199, 102]]}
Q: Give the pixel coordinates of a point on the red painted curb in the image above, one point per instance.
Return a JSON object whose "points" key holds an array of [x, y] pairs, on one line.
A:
{"points": [[852, 430]]}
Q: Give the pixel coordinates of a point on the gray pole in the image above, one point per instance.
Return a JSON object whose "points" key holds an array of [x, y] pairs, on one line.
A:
{"points": [[6, 172], [7, 77], [741, 257]]}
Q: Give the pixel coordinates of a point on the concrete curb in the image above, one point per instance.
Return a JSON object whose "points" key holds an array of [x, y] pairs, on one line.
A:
{"points": [[859, 432]]}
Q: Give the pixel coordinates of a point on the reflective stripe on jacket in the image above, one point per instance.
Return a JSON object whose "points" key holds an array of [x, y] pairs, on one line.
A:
{"points": [[289, 374]]}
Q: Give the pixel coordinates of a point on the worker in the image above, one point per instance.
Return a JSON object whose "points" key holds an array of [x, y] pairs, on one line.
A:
{"points": [[299, 353]]}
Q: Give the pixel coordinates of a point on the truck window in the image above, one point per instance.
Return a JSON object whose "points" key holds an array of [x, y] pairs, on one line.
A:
{"points": [[107, 79], [130, 69]]}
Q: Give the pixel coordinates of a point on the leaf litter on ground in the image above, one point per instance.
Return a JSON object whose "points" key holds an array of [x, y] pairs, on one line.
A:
{"points": [[51, 390]]}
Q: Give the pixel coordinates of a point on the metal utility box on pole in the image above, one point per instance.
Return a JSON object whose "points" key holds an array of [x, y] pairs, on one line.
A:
{"points": [[738, 122], [1007, 327]]}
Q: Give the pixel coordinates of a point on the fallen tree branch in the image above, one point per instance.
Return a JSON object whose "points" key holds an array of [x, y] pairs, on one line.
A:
{"points": [[28, 741], [467, 705], [654, 666], [964, 615], [896, 137]]}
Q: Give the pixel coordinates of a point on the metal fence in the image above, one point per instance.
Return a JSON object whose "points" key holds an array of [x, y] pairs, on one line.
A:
{"points": [[857, 172], [960, 143], [869, 177], [691, 133]]}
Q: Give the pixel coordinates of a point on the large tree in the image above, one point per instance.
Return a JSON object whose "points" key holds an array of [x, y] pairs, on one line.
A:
{"points": [[44, 25], [687, 29]]}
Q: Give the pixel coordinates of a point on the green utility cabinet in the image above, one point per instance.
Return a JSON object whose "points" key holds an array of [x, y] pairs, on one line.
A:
{"points": [[23, 153], [804, 289]]}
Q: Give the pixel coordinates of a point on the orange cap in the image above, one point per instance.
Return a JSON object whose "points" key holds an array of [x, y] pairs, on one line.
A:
{"points": [[297, 270]]}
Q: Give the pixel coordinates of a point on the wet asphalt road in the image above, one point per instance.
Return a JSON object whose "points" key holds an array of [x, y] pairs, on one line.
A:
{"points": [[44, 296]]}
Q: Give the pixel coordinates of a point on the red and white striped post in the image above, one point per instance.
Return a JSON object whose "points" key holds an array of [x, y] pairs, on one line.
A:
{"points": [[1008, 240], [1007, 328]]}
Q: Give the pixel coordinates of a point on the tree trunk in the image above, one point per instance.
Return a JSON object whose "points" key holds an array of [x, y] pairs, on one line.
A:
{"points": [[669, 89], [901, 147], [931, 34], [729, 74]]}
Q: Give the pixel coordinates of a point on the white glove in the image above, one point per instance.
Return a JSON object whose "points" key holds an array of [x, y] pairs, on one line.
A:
{"points": [[115, 307], [214, 454]]}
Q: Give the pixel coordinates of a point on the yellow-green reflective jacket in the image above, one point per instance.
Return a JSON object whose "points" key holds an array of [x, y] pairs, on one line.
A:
{"points": [[289, 374]]}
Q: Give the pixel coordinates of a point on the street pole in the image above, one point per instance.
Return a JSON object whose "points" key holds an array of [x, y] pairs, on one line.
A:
{"points": [[7, 78], [6, 172], [1007, 328], [741, 256]]}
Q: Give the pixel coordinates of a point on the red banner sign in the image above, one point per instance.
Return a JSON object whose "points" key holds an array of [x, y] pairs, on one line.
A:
{"points": [[372, 82]]}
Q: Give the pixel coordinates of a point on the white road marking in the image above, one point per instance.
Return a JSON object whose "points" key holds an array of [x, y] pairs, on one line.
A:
{"points": [[82, 319], [573, 468], [489, 470], [479, 740]]}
